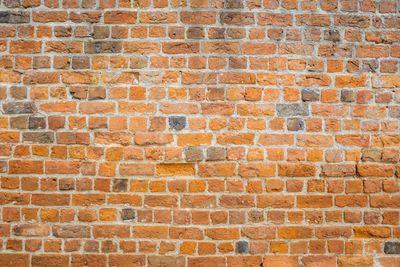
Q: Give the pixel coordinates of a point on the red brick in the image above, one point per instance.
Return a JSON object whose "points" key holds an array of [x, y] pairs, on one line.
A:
{"points": [[50, 260], [201, 261], [112, 17], [314, 201], [264, 201], [110, 231], [280, 261], [222, 233], [296, 169]]}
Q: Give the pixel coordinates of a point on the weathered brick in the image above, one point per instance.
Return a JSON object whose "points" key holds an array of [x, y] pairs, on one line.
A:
{"points": [[12, 17], [50, 260], [392, 248], [288, 110], [14, 259], [19, 108], [31, 230], [38, 137], [71, 231]]}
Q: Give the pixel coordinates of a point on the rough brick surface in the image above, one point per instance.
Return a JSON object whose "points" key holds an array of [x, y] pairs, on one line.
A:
{"points": [[199, 133]]}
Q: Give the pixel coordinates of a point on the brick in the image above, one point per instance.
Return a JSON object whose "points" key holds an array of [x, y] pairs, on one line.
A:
{"points": [[71, 231], [222, 234], [237, 18], [34, 137], [342, 170], [313, 80], [296, 169], [376, 51], [110, 231], [177, 123], [295, 232], [351, 201], [62, 167], [314, 201], [235, 139], [264, 201], [280, 261], [258, 48], [88, 199], [18, 47], [333, 232], [99, 260], [392, 248], [372, 232], [14, 259], [286, 110], [386, 262], [276, 139], [112, 17], [10, 76], [216, 169], [185, 233], [194, 139], [50, 260], [237, 78], [256, 170], [198, 17], [387, 81], [175, 169], [128, 169], [351, 21], [154, 261], [161, 201], [14, 17], [153, 138], [275, 19], [123, 260], [313, 20], [315, 260], [359, 140], [180, 48], [236, 201], [26, 166], [150, 231], [201, 261], [314, 141], [375, 170], [31, 230]]}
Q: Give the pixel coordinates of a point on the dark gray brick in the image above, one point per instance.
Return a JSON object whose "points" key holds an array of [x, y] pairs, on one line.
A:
{"points": [[14, 17], [392, 248], [242, 247], [177, 123]]}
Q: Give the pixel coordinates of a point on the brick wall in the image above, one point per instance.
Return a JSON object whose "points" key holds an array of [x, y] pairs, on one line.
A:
{"points": [[199, 133]]}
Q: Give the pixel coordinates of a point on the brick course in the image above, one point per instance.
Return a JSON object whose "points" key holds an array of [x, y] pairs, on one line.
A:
{"points": [[198, 133]]}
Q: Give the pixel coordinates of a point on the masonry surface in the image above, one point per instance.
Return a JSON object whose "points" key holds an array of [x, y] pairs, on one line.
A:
{"points": [[199, 133]]}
